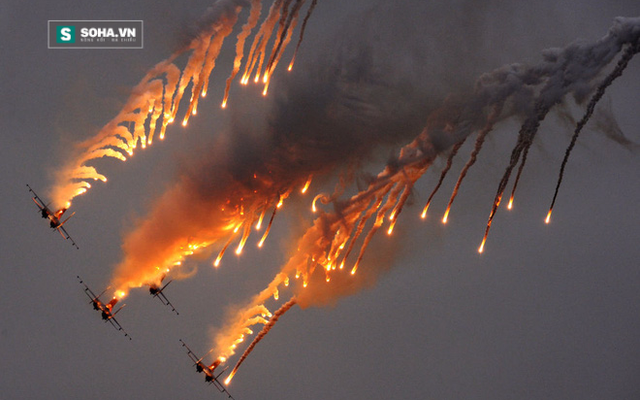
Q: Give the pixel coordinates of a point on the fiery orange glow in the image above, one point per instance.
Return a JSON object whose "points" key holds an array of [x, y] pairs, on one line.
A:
{"points": [[548, 219], [391, 226], [306, 185], [481, 248], [510, 205], [446, 216], [424, 211], [259, 224], [313, 203]]}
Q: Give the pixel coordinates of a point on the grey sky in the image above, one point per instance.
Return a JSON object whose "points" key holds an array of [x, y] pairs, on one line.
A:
{"points": [[546, 312]]}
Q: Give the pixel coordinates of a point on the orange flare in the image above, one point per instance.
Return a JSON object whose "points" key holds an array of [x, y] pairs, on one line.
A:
{"points": [[216, 263], [424, 211], [510, 205], [390, 231], [446, 216], [313, 203], [481, 248], [259, 224], [119, 294], [548, 219], [306, 185]]}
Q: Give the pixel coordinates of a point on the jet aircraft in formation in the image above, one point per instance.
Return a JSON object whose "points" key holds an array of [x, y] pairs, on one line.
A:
{"points": [[53, 216]]}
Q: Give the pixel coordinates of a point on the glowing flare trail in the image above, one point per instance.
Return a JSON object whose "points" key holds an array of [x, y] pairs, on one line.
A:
{"points": [[272, 321], [304, 26], [446, 169], [284, 37], [632, 49], [283, 14], [306, 185], [360, 227], [260, 41], [565, 63], [266, 232], [252, 21]]}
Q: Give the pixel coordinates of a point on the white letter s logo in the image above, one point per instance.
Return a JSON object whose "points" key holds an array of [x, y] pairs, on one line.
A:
{"points": [[65, 34]]}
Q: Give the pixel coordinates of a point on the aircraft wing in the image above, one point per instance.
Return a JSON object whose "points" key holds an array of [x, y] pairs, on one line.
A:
{"points": [[222, 389], [190, 353], [166, 302], [66, 235], [116, 324], [220, 386], [36, 199], [88, 291], [163, 298]]}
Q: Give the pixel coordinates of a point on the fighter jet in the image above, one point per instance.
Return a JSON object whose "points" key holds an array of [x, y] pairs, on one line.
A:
{"points": [[54, 217]]}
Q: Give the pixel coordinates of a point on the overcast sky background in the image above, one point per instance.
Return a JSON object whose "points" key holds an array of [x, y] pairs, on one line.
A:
{"points": [[547, 312]]}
